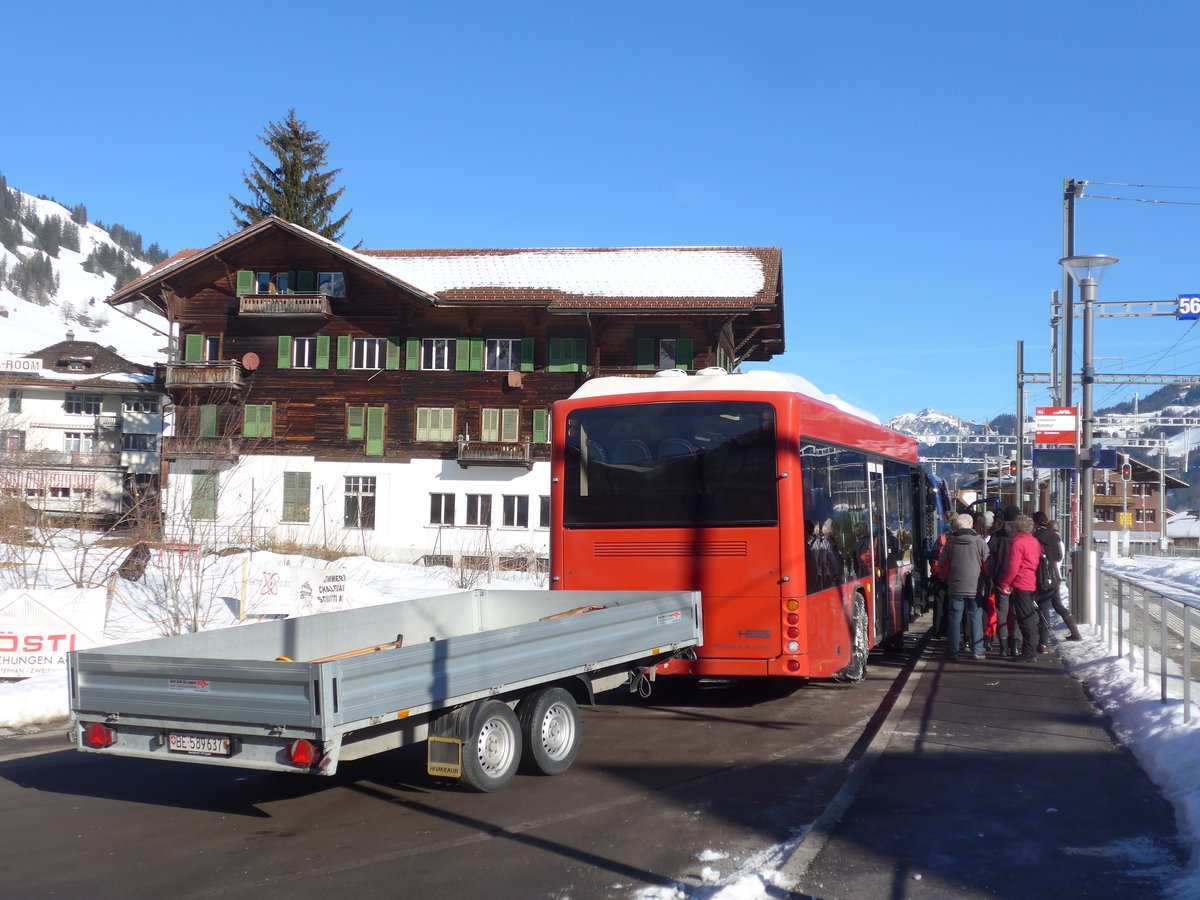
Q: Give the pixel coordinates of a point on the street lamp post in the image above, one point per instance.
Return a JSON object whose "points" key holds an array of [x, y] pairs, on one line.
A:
{"points": [[1087, 272]]}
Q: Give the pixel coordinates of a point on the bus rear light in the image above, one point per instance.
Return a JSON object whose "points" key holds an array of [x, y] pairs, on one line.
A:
{"points": [[793, 605], [793, 665], [793, 647], [99, 736], [302, 753], [793, 619], [793, 633]]}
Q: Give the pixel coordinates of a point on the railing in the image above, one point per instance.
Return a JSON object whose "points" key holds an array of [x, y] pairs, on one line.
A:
{"points": [[45, 458], [315, 304], [174, 447], [222, 373], [1134, 615], [494, 453]]}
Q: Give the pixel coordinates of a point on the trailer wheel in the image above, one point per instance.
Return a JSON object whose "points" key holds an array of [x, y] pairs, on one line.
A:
{"points": [[550, 726], [491, 746], [860, 647]]}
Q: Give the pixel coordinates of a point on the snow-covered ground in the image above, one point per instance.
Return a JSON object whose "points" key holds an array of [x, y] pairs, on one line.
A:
{"points": [[1167, 746]]}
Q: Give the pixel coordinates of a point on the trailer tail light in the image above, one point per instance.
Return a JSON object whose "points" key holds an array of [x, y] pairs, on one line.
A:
{"points": [[99, 736], [302, 753]]}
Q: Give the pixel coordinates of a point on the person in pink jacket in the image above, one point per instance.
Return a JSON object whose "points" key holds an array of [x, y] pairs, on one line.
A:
{"points": [[1020, 580]]}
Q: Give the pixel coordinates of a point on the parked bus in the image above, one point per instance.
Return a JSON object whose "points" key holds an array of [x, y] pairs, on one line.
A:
{"points": [[801, 522]]}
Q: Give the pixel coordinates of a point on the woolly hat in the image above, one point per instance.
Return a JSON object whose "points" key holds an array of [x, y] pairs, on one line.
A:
{"points": [[1011, 513]]}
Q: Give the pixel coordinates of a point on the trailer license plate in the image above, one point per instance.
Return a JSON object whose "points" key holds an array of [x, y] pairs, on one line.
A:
{"points": [[198, 744]]}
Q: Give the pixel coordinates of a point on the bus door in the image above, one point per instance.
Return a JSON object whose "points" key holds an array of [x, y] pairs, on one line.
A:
{"points": [[876, 524]]}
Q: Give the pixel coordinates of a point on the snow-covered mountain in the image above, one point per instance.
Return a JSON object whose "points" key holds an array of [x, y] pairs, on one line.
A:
{"points": [[931, 421], [78, 303]]}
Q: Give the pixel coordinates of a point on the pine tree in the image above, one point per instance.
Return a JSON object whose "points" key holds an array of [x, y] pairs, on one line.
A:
{"points": [[295, 190]]}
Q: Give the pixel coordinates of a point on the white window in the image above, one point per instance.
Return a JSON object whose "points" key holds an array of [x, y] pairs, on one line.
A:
{"points": [[435, 423], [79, 441], [82, 404], [212, 348], [60, 493], [543, 511], [139, 442], [282, 282], [360, 502], [368, 353], [140, 404], [331, 284], [666, 353], [500, 425], [262, 282], [516, 511], [437, 353], [304, 353], [502, 355], [479, 509], [441, 509]]}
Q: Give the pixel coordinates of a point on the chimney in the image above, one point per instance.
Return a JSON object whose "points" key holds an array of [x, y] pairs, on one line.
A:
{"points": [[70, 335]]}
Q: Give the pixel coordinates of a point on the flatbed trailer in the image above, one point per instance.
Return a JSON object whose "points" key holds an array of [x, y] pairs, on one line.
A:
{"points": [[490, 679]]}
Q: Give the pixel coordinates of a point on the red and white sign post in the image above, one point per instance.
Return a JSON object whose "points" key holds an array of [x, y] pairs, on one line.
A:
{"points": [[1056, 425]]}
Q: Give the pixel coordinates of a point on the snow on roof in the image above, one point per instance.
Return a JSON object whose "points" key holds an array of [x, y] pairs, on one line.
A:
{"points": [[626, 272], [750, 381]]}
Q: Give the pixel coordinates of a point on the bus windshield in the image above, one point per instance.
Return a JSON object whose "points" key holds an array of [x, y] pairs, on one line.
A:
{"points": [[670, 465]]}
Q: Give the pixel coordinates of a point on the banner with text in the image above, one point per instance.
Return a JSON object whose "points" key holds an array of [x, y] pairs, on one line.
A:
{"points": [[39, 627], [274, 590]]}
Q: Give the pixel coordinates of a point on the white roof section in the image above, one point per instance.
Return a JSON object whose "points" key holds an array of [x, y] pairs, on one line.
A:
{"points": [[630, 272], [670, 382]]}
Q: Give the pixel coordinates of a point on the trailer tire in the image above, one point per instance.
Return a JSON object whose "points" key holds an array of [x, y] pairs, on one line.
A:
{"points": [[855, 671], [551, 729], [491, 746]]}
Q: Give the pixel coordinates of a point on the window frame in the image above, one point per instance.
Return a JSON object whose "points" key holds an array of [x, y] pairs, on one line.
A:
{"points": [[479, 510], [149, 442], [360, 494], [441, 509], [295, 483], [438, 350], [363, 348], [139, 403], [83, 404], [491, 348], [514, 511]]}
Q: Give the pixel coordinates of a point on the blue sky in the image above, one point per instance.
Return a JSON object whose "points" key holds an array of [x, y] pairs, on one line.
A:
{"points": [[908, 158]]}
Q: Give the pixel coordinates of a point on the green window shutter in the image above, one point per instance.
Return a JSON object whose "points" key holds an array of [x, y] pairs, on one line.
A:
{"points": [[204, 494], [489, 425], [266, 420], [208, 421], [476, 354], [253, 425], [354, 423], [393, 353], [306, 282], [245, 282], [291, 289], [447, 427], [579, 355], [556, 355], [422, 423], [646, 352], [193, 347], [540, 426], [412, 354], [285, 352], [510, 425], [375, 431], [462, 355], [322, 351], [343, 351], [684, 353], [297, 489], [526, 354]]}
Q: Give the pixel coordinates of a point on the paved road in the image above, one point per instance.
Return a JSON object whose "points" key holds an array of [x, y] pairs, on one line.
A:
{"points": [[731, 770]]}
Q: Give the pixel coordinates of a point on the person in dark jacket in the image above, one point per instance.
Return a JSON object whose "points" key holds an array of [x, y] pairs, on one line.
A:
{"points": [[999, 544], [966, 585], [1052, 548], [1019, 579]]}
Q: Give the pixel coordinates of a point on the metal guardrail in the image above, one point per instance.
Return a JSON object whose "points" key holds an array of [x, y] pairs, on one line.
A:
{"points": [[1134, 614]]}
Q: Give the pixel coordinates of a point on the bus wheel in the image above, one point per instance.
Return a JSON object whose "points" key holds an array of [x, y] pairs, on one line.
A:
{"points": [[860, 649], [491, 746], [550, 726]]}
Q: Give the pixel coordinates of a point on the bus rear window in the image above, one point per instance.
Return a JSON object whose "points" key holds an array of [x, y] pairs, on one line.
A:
{"points": [[670, 465]]}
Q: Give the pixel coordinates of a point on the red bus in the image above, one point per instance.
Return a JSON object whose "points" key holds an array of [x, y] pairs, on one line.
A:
{"points": [[794, 517]]}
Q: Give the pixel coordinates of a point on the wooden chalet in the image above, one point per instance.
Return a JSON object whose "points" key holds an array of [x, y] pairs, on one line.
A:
{"points": [[340, 364]]}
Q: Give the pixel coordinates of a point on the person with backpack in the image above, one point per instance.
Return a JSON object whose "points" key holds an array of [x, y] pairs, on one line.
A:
{"points": [[965, 555], [1052, 549], [1019, 582]]}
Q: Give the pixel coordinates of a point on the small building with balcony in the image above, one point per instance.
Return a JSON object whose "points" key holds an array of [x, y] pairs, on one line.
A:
{"points": [[80, 432], [396, 403]]}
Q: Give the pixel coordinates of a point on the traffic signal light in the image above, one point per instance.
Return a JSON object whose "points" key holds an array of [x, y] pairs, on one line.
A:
{"points": [[1012, 467], [1126, 471]]}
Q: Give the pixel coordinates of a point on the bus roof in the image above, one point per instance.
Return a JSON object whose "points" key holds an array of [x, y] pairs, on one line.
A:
{"points": [[675, 381]]}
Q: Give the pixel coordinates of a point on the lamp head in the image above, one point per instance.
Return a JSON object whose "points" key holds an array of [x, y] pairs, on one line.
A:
{"points": [[1091, 268]]}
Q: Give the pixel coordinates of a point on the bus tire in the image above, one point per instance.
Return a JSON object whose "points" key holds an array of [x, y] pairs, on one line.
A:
{"points": [[551, 731], [491, 749], [860, 644]]}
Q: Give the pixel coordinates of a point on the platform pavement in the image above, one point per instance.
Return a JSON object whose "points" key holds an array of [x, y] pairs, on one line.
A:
{"points": [[993, 779]]}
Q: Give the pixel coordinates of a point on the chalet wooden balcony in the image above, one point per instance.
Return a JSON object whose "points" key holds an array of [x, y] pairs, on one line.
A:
{"points": [[226, 373], [495, 453], [222, 448], [307, 304], [39, 459]]}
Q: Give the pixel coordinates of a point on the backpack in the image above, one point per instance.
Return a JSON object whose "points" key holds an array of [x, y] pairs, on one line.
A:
{"points": [[1047, 577], [941, 559]]}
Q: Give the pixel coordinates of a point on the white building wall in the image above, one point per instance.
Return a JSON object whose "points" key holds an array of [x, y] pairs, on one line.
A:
{"points": [[250, 504]]}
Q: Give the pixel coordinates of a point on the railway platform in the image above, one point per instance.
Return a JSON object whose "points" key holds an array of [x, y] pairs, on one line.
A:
{"points": [[993, 779]]}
